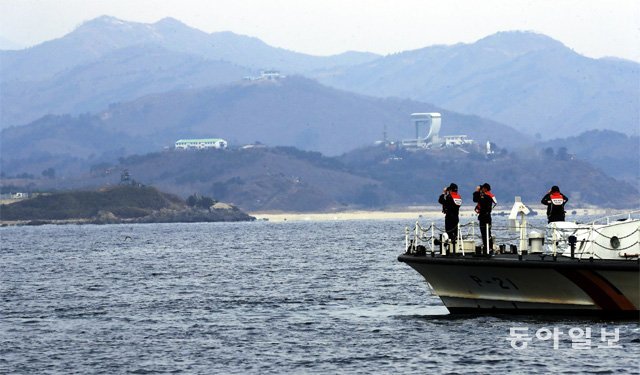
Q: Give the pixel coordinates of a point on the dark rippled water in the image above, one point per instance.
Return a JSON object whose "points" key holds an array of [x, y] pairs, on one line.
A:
{"points": [[303, 297]]}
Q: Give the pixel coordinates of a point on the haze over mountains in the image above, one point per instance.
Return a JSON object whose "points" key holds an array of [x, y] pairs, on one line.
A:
{"points": [[113, 88], [6, 44]]}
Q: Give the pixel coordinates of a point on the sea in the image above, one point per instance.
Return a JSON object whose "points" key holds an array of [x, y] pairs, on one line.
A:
{"points": [[303, 297]]}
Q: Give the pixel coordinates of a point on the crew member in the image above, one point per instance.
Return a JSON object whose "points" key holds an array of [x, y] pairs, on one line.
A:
{"points": [[451, 201], [555, 201], [485, 202]]}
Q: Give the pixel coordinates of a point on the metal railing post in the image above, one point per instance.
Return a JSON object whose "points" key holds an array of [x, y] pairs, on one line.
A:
{"points": [[553, 240], [523, 233], [460, 240], [487, 234], [433, 245], [416, 234], [406, 239]]}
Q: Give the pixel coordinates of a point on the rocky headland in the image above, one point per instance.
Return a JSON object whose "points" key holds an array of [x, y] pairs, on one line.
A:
{"points": [[115, 205]]}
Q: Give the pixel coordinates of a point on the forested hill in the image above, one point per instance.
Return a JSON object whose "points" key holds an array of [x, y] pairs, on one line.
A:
{"points": [[285, 178], [613, 152], [118, 204], [528, 173]]}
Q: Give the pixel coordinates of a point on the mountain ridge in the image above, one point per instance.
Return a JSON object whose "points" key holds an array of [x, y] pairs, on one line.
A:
{"points": [[573, 93], [292, 111], [374, 177], [526, 80], [101, 35]]}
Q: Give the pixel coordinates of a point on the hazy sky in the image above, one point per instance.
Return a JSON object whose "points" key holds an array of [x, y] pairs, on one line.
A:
{"points": [[594, 28]]}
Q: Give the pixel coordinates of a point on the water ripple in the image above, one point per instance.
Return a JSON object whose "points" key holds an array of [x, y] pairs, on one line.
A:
{"points": [[268, 298]]}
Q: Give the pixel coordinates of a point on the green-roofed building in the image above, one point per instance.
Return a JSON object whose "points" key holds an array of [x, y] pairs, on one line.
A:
{"points": [[200, 144]]}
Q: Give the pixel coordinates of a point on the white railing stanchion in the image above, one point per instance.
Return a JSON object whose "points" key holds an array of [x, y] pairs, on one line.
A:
{"points": [[523, 233], [553, 239], [406, 238], [487, 235], [433, 244], [460, 241]]}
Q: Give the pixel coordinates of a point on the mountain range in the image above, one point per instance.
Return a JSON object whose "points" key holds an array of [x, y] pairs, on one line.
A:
{"points": [[98, 37], [522, 79], [292, 111], [111, 89], [107, 60], [526, 80]]}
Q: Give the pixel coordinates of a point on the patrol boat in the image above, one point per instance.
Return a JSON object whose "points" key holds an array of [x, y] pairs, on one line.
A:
{"points": [[583, 269]]}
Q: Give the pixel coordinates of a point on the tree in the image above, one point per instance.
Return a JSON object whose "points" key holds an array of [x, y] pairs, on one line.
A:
{"points": [[368, 196], [192, 200], [49, 173], [206, 202], [562, 154], [199, 201]]}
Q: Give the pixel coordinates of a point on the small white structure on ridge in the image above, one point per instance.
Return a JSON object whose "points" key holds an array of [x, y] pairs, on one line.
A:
{"points": [[201, 144]]}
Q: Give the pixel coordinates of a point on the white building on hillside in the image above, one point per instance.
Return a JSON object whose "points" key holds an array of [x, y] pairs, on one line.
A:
{"points": [[432, 121], [201, 144], [266, 75]]}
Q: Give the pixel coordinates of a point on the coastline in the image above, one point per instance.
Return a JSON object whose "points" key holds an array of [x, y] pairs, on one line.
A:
{"points": [[415, 213], [407, 213]]}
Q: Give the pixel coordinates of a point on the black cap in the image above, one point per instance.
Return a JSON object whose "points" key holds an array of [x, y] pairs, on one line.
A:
{"points": [[486, 186], [554, 188], [453, 187]]}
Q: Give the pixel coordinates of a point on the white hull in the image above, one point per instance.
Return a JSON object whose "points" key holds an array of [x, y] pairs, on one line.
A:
{"points": [[512, 285]]}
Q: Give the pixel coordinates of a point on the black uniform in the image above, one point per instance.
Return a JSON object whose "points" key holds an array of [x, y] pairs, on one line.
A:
{"points": [[451, 210], [484, 207], [555, 202]]}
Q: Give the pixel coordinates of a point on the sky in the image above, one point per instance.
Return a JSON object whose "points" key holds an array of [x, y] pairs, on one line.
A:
{"points": [[594, 28]]}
